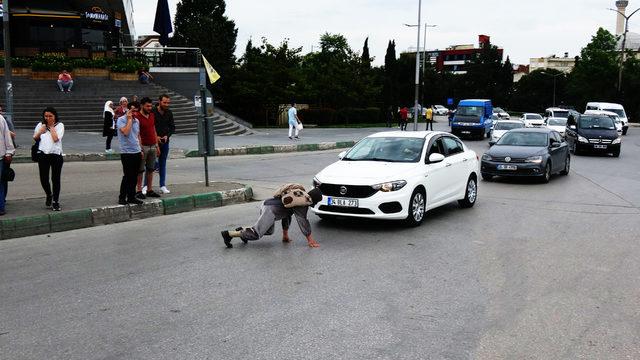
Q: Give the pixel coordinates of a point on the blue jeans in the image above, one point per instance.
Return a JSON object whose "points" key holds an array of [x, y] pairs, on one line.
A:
{"points": [[3, 187], [162, 163]]}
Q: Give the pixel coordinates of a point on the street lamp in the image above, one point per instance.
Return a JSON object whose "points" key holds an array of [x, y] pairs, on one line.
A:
{"points": [[417, 92], [624, 43], [424, 55], [554, 85]]}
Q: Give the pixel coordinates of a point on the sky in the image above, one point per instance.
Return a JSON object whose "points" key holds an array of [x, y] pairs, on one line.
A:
{"points": [[524, 29]]}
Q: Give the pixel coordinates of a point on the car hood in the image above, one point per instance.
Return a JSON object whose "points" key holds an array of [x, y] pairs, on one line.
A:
{"points": [[559, 128], [516, 151], [364, 172], [498, 133], [597, 133]]}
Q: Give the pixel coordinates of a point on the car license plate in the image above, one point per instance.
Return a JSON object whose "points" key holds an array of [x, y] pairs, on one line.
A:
{"points": [[507, 167], [342, 202], [599, 146]]}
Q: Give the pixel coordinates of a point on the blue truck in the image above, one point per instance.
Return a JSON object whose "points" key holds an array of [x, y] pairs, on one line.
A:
{"points": [[473, 118]]}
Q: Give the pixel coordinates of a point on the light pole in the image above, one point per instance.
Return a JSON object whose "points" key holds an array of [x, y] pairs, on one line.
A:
{"points": [[7, 63], [417, 92], [624, 43], [554, 85], [424, 55]]}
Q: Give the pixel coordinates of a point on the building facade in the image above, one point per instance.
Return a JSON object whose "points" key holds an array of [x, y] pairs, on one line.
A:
{"points": [[564, 64], [76, 28]]}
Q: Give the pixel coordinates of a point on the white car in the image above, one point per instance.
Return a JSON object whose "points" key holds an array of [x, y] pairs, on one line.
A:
{"points": [[614, 116], [501, 113], [500, 127], [440, 110], [398, 176], [532, 120], [612, 107], [558, 124]]}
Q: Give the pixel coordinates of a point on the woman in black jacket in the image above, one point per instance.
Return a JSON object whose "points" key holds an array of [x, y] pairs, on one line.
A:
{"points": [[108, 129]]}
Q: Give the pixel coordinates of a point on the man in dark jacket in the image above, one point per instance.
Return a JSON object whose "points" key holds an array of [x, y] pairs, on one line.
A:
{"points": [[165, 127], [288, 201]]}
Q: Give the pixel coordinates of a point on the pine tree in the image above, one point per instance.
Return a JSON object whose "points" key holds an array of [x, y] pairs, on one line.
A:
{"points": [[366, 58], [389, 90]]}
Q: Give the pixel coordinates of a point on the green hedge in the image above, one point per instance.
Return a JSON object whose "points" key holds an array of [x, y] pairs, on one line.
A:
{"points": [[345, 116], [57, 63], [17, 62]]}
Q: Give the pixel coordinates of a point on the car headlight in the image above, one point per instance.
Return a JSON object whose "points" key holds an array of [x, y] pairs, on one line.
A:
{"points": [[582, 139], [617, 141], [487, 157], [534, 159], [316, 182], [390, 186]]}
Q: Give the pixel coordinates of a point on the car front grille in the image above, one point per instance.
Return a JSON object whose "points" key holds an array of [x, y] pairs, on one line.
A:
{"points": [[345, 210], [513, 160], [600, 141], [352, 191]]}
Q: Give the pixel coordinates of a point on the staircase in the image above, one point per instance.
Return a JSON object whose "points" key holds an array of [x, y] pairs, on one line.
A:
{"points": [[81, 110]]}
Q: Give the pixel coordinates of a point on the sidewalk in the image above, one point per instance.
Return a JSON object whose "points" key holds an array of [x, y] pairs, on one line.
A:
{"points": [[81, 146]]}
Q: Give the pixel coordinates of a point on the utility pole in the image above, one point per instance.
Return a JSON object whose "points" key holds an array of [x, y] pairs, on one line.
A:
{"points": [[8, 113], [624, 44], [424, 56], [417, 92]]}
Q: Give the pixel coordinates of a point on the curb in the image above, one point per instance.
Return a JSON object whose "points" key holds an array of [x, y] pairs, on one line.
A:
{"points": [[85, 218], [273, 149]]}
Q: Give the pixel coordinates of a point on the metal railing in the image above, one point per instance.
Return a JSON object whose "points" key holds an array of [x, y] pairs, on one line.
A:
{"points": [[164, 56]]}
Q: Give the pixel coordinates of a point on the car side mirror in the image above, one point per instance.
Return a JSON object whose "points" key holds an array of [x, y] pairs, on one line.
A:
{"points": [[572, 127], [555, 144], [342, 155], [436, 158]]}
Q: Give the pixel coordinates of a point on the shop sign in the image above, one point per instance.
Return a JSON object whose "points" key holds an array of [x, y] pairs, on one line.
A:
{"points": [[96, 14]]}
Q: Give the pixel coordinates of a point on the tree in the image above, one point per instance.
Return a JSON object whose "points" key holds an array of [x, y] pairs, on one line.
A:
{"points": [[202, 24], [389, 88], [534, 92], [366, 58], [486, 76]]}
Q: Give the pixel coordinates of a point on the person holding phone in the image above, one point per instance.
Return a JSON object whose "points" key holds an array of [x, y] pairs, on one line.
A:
{"points": [[130, 154], [50, 132]]}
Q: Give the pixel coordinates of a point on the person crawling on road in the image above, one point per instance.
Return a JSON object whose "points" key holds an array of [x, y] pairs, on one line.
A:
{"points": [[288, 201]]}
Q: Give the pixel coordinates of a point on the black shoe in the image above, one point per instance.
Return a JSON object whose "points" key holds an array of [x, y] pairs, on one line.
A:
{"points": [[55, 206], [135, 201], [152, 194], [47, 202], [140, 195], [122, 201], [227, 239], [243, 240]]}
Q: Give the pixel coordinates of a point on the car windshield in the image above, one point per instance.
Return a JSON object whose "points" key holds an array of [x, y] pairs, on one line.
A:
{"points": [[390, 149], [596, 122], [470, 111], [498, 110], [519, 138], [620, 112], [534, 117], [560, 114], [507, 126], [556, 122]]}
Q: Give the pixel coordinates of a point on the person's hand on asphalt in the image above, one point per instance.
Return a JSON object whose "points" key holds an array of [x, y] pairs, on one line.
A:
{"points": [[312, 243], [7, 158]]}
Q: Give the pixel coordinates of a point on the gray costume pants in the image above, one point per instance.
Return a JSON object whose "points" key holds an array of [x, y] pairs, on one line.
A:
{"points": [[265, 224]]}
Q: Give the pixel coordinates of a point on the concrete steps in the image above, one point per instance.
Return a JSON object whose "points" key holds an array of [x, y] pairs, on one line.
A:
{"points": [[81, 109]]}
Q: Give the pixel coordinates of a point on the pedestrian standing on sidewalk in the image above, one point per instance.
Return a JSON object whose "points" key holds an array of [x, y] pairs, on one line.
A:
{"points": [[6, 155], [50, 132], [294, 121], [404, 117], [150, 149], [130, 154], [288, 201], [389, 116], [429, 116], [123, 107], [165, 128], [109, 126]]}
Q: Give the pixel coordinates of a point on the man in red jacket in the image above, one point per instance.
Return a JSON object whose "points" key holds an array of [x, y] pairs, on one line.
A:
{"points": [[150, 149]]}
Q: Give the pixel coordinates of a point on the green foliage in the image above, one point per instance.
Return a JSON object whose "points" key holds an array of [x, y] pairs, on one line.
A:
{"points": [[17, 62], [389, 87], [488, 77], [126, 66], [51, 63], [202, 24], [101, 63], [534, 92]]}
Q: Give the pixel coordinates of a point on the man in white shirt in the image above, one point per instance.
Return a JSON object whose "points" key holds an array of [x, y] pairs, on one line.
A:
{"points": [[6, 154]]}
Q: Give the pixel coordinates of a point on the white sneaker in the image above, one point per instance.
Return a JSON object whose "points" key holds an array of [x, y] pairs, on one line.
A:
{"points": [[165, 190], [109, 151], [144, 190]]}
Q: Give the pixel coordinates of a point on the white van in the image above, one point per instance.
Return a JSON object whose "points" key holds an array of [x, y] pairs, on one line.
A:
{"points": [[555, 112], [614, 108]]}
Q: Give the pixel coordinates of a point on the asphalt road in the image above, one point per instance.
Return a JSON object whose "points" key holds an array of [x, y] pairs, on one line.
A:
{"points": [[533, 271]]}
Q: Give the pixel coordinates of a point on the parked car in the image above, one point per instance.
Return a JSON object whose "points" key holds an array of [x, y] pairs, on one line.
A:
{"points": [[554, 112], [501, 113], [538, 152], [614, 116], [558, 124], [532, 120], [398, 176], [500, 127], [593, 133], [612, 107], [440, 110], [473, 118]]}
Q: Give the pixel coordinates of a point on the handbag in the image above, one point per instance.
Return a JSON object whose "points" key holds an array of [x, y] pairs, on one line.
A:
{"points": [[299, 126], [35, 151]]}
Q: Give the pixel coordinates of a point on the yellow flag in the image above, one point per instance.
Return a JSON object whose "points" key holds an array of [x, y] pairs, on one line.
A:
{"points": [[211, 72]]}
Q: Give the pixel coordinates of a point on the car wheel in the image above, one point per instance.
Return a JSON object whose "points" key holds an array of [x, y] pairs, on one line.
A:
{"points": [[417, 208], [487, 177], [576, 150], [567, 166], [547, 173], [471, 194], [624, 131], [616, 153]]}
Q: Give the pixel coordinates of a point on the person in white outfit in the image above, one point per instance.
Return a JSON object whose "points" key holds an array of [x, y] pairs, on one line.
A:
{"points": [[49, 133], [294, 121]]}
